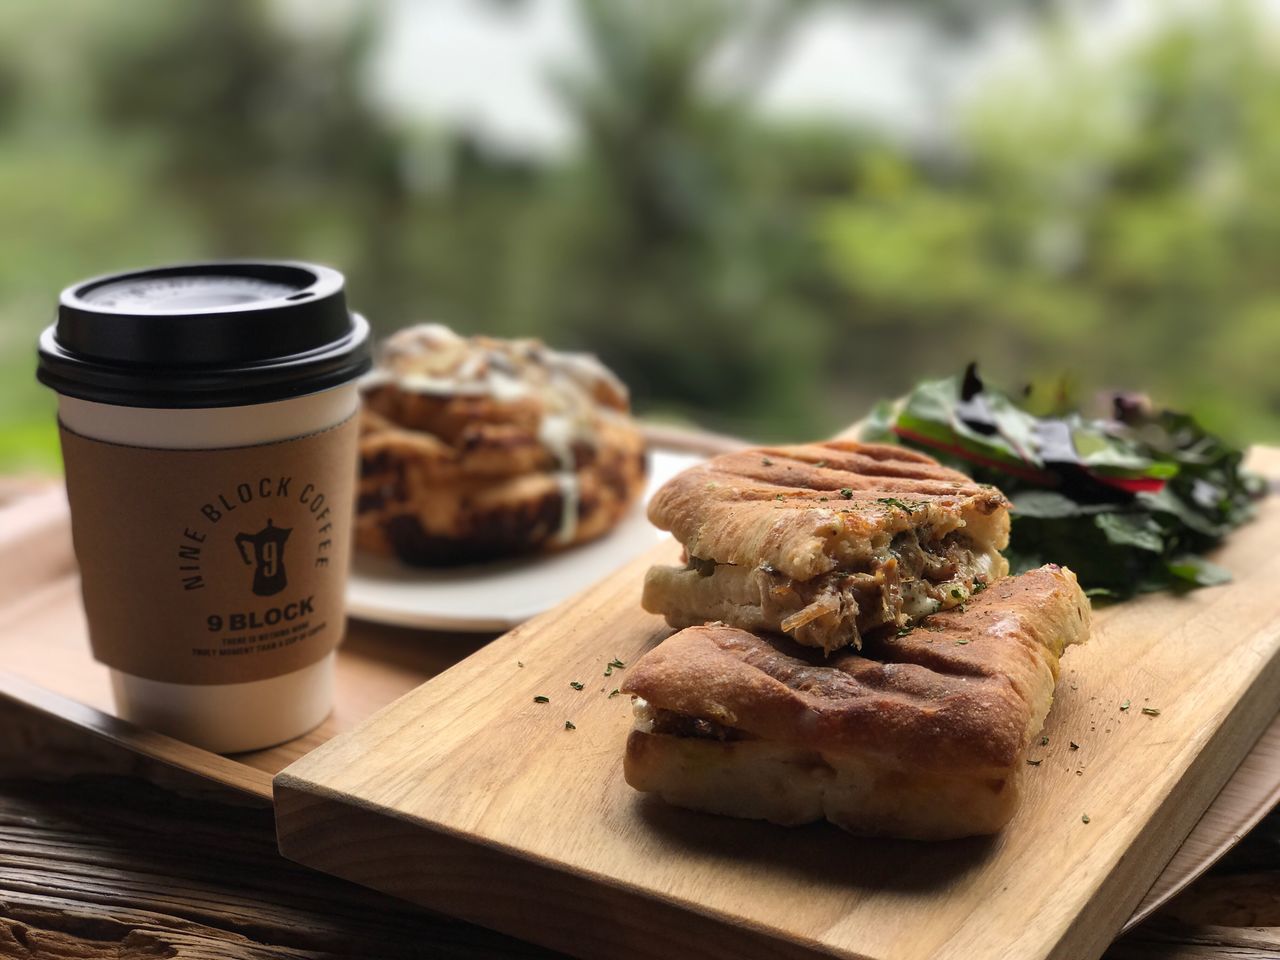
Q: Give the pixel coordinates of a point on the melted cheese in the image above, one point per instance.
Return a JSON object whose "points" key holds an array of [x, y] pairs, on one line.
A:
{"points": [[643, 714]]}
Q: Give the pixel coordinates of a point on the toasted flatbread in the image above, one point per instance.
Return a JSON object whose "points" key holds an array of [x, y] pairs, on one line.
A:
{"points": [[825, 541], [922, 735], [473, 449]]}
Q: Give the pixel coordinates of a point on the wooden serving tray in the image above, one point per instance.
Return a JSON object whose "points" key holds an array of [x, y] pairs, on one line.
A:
{"points": [[46, 671], [470, 797], [46, 665]]}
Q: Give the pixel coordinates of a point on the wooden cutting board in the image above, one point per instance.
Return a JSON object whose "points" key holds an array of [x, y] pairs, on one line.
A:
{"points": [[468, 797]]}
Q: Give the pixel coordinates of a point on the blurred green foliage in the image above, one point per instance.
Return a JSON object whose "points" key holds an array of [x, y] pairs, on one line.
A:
{"points": [[1113, 218]]}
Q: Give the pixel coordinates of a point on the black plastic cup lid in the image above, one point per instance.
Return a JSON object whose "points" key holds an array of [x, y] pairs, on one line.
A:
{"points": [[218, 334]]}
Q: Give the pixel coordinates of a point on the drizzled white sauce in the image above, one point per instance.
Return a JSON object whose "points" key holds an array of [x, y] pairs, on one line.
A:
{"points": [[438, 386], [506, 389], [916, 601], [556, 432], [586, 370], [432, 359]]}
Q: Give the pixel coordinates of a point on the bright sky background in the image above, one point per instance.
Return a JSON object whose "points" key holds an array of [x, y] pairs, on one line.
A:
{"points": [[468, 63]]}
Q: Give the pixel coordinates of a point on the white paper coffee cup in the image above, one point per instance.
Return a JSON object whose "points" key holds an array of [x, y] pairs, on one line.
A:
{"points": [[213, 534]]}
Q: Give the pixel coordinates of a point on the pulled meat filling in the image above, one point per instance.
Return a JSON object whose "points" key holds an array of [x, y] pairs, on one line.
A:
{"points": [[911, 579], [653, 719], [681, 725]]}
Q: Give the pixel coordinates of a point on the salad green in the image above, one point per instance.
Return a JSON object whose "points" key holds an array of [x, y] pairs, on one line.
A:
{"points": [[1129, 503]]}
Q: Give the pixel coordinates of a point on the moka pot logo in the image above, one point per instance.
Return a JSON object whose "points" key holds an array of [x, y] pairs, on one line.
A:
{"points": [[264, 551], [203, 562], [232, 558]]}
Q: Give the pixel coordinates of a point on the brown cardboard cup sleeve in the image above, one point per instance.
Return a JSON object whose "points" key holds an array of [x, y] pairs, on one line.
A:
{"points": [[213, 566]]}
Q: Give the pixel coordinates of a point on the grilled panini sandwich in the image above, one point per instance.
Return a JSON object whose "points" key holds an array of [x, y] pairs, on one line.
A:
{"points": [[922, 735], [825, 542]]}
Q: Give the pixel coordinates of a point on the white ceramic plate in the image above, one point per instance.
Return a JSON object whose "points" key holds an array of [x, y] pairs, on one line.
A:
{"points": [[498, 596]]}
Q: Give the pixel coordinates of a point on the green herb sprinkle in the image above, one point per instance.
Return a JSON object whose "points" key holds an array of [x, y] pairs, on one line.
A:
{"points": [[893, 502]]}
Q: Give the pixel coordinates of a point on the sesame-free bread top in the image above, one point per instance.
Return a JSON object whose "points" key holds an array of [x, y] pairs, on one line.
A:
{"points": [[812, 508]]}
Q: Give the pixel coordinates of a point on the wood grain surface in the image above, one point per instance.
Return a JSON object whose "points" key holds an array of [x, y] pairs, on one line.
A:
{"points": [[45, 658], [1252, 792], [470, 797], [116, 868], [54, 735], [108, 867]]}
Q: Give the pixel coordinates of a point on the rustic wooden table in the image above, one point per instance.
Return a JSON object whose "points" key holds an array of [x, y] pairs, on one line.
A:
{"points": [[130, 859], [128, 862]]}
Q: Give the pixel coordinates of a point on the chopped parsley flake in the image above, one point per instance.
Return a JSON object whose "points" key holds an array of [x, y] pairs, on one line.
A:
{"points": [[568, 725], [824, 499], [614, 664], [613, 693], [846, 492], [962, 642], [957, 593], [541, 699], [778, 496], [766, 461], [821, 463], [1044, 741], [979, 586], [1124, 706], [1151, 711], [576, 684], [1084, 818], [893, 502], [903, 631]]}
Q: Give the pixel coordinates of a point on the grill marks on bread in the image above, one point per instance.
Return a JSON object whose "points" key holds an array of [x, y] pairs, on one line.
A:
{"points": [[811, 508], [926, 698], [824, 541], [811, 471]]}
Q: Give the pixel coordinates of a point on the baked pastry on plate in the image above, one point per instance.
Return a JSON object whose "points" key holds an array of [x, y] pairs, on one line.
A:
{"points": [[474, 448], [824, 541], [922, 735]]}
